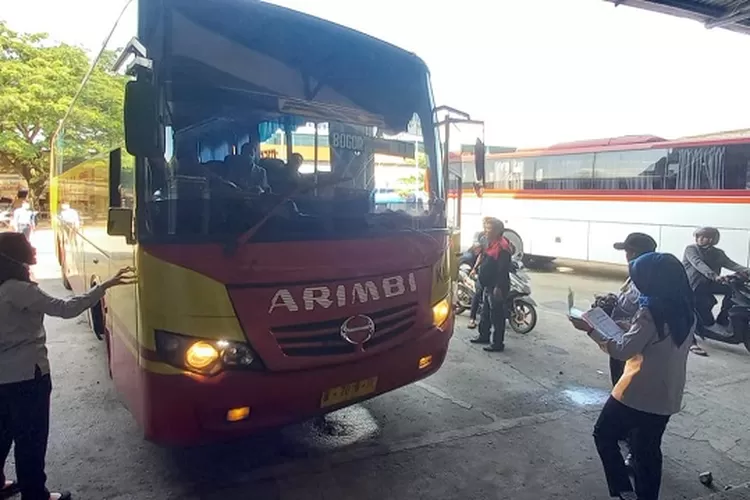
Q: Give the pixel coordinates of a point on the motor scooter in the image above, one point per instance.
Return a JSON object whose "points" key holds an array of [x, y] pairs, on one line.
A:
{"points": [[522, 313], [737, 331]]}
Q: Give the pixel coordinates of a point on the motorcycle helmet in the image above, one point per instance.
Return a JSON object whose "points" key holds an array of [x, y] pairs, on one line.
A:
{"points": [[709, 232]]}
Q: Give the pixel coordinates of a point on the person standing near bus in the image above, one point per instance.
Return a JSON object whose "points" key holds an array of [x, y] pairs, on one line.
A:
{"points": [[25, 383], [656, 348], [635, 245], [23, 220], [494, 276], [627, 303], [472, 256]]}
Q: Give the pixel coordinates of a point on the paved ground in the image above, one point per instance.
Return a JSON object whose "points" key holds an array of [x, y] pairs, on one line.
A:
{"points": [[515, 425]]}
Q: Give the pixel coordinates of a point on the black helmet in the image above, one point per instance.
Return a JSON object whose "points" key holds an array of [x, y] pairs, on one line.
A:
{"points": [[709, 232]]}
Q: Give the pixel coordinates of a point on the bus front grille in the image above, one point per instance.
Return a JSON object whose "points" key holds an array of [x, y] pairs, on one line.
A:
{"points": [[324, 338]]}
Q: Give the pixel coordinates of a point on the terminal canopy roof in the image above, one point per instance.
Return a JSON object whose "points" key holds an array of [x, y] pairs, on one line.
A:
{"points": [[733, 15]]}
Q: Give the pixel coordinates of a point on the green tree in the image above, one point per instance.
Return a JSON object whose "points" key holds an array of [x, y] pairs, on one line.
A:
{"points": [[38, 81]]}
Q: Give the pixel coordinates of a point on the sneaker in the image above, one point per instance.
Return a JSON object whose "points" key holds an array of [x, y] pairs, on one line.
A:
{"points": [[495, 348], [628, 495], [479, 340], [9, 489]]}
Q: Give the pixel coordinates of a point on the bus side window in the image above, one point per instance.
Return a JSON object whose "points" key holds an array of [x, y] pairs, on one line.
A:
{"points": [[673, 168], [736, 164]]}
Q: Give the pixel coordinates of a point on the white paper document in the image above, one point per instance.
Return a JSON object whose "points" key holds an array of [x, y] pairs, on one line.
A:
{"points": [[572, 311], [602, 323]]}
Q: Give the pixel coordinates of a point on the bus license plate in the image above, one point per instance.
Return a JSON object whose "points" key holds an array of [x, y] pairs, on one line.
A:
{"points": [[343, 393]]}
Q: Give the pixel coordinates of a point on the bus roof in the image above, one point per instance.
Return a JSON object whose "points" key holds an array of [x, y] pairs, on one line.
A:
{"points": [[602, 145], [727, 14], [625, 143], [260, 47]]}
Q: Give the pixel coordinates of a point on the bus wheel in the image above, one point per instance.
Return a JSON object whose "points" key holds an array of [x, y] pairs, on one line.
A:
{"points": [[517, 242], [64, 272], [65, 283], [537, 262], [96, 314]]}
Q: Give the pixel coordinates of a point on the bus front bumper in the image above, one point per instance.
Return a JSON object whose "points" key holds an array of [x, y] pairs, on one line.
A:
{"points": [[184, 410]]}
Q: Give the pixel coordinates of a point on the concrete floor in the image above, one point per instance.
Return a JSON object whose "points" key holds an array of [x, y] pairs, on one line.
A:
{"points": [[515, 425]]}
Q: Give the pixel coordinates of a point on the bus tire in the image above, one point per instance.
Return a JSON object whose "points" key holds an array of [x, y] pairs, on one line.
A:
{"points": [[516, 241], [537, 261], [96, 316], [65, 281]]}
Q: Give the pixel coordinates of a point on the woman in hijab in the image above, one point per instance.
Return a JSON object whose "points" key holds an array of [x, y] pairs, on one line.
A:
{"points": [[655, 348], [25, 383]]}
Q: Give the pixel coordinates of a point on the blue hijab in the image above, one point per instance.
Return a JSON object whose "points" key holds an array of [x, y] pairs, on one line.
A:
{"points": [[666, 292]]}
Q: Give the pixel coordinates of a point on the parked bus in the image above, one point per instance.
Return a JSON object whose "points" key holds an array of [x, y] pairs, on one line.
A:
{"points": [[265, 296], [574, 200]]}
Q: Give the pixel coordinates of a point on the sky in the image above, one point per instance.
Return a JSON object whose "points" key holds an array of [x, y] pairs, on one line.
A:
{"points": [[537, 72]]}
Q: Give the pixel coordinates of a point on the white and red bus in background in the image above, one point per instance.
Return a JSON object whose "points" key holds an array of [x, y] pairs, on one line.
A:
{"points": [[575, 200]]}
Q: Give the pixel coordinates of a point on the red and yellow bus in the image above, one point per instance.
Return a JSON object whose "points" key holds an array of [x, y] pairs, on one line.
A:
{"points": [[575, 200], [263, 299]]}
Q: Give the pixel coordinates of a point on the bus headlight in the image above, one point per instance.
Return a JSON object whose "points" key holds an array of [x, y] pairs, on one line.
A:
{"points": [[201, 355], [207, 357], [234, 354], [441, 312]]}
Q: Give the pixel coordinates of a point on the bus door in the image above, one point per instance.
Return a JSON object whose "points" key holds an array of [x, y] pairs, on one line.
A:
{"points": [[463, 165]]}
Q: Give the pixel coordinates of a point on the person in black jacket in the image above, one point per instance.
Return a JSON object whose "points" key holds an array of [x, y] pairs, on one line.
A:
{"points": [[494, 277], [703, 263]]}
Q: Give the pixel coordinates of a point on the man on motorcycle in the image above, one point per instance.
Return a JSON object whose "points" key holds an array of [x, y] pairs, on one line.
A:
{"points": [[703, 263], [494, 276]]}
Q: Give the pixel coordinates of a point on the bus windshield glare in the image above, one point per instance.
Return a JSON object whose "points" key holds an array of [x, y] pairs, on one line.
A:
{"points": [[302, 176]]}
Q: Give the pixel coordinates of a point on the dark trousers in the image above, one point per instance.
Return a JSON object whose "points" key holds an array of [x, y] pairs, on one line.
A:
{"points": [[616, 368], [476, 300], [492, 319], [617, 422], [704, 298], [24, 420]]}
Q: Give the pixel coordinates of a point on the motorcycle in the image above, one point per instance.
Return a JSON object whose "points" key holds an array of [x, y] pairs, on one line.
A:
{"points": [[522, 314], [738, 330]]}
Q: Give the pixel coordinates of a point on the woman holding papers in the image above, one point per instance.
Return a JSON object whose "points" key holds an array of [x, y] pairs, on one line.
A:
{"points": [[655, 348]]}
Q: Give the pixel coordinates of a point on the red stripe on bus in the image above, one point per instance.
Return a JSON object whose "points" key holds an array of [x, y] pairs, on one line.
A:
{"points": [[733, 196]]}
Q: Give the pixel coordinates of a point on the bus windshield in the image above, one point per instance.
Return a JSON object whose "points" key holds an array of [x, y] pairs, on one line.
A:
{"points": [[304, 177], [301, 139]]}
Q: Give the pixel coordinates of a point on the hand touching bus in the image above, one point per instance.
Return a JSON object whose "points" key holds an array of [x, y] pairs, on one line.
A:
{"points": [[125, 276]]}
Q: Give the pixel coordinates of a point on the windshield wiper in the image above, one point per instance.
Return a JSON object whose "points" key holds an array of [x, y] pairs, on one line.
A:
{"points": [[248, 235]]}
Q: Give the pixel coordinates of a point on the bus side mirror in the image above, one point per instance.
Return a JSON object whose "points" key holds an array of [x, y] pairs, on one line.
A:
{"points": [[479, 154], [141, 117], [120, 223], [115, 175]]}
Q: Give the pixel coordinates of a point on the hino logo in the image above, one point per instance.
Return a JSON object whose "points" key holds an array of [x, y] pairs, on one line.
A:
{"points": [[324, 297], [358, 329]]}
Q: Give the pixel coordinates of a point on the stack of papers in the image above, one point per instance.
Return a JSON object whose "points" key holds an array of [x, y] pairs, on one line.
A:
{"points": [[572, 311], [602, 323], [596, 318]]}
